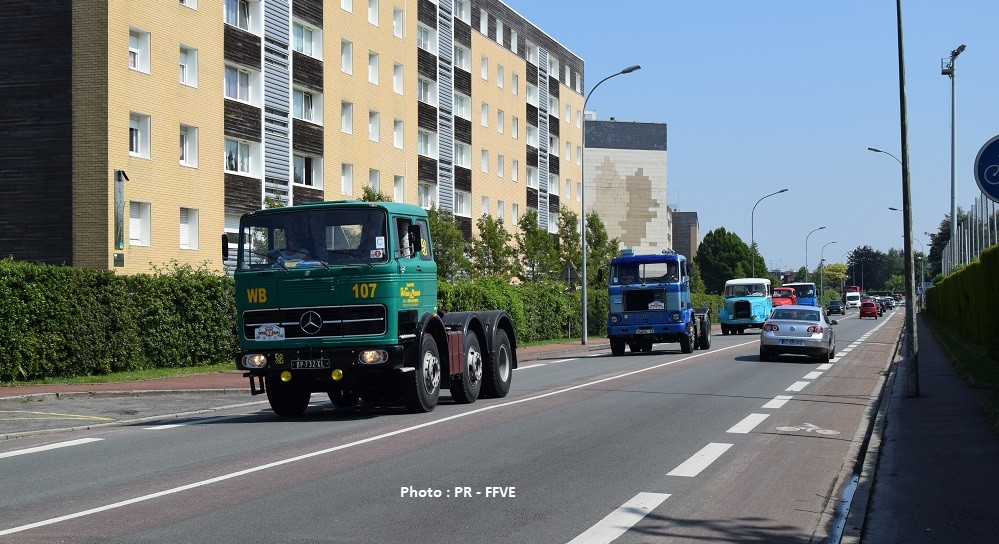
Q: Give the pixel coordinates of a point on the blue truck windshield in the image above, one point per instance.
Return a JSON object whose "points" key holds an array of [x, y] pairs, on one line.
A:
{"points": [[632, 273]]}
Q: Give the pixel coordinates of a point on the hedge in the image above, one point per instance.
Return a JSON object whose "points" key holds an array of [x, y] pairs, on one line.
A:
{"points": [[966, 301]]}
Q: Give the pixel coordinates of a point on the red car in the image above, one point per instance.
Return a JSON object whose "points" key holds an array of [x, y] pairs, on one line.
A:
{"points": [[783, 296], [868, 309]]}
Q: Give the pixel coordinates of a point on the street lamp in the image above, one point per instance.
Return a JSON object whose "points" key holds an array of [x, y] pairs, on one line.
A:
{"points": [[752, 231], [806, 250], [947, 69], [821, 260], [582, 177], [877, 150]]}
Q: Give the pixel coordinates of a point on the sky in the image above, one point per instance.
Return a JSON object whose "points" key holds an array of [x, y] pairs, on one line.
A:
{"points": [[772, 94]]}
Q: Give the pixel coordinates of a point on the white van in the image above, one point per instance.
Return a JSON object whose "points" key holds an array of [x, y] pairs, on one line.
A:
{"points": [[853, 300]]}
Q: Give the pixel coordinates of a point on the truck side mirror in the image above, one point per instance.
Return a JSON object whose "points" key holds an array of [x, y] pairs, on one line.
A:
{"points": [[225, 247], [415, 239]]}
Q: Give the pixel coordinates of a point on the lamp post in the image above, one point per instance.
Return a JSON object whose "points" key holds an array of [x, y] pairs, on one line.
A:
{"points": [[582, 177], [822, 260], [752, 231], [806, 250], [947, 69]]}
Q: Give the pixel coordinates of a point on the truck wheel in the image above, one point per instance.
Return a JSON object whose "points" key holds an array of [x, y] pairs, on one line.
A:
{"points": [[465, 388], [286, 399], [499, 368], [686, 343], [724, 330], [422, 392], [647, 345], [343, 398], [704, 333], [617, 346]]}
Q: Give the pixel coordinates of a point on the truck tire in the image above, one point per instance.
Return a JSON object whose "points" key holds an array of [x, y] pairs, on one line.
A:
{"points": [[725, 330], [343, 398], [423, 386], [465, 388], [687, 343], [286, 399], [499, 368], [703, 333], [617, 346]]}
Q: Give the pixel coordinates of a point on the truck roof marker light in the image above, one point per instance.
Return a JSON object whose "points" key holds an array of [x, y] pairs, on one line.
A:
{"points": [[286, 376]]}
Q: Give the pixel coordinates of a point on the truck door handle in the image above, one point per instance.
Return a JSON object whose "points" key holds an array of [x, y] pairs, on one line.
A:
{"points": [[419, 268]]}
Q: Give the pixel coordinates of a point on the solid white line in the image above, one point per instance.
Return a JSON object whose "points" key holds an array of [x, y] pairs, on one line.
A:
{"points": [[317, 453], [561, 361], [57, 445], [811, 375], [826, 366], [700, 460], [778, 401], [619, 521], [163, 427], [748, 423], [797, 386], [531, 366]]}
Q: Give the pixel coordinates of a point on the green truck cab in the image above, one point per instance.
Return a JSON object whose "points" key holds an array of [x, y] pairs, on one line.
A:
{"points": [[341, 298]]}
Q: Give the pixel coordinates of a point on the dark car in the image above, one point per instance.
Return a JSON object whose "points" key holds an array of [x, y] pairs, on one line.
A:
{"points": [[835, 307]]}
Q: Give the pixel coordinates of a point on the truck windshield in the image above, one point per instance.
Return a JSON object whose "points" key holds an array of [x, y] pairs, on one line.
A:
{"points": [[630, 273], [313, 238], [746, 290]]}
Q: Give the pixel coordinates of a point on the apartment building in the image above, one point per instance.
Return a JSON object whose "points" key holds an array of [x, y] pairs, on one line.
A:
{"points": [[460, 104], [686, 235], [626, 182]]}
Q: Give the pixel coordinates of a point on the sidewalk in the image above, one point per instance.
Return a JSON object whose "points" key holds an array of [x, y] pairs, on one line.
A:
{"points": [[931, 473]]}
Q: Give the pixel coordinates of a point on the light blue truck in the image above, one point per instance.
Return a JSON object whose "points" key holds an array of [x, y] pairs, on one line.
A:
{"points": [[748, 304]]}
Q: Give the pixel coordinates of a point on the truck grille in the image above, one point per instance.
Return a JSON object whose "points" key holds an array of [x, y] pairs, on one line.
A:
{"points": [[742, 309], [644, 300], [319, 322]]}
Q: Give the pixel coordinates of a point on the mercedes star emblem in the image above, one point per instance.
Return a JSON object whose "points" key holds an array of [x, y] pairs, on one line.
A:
{"points": [[311, 322]]}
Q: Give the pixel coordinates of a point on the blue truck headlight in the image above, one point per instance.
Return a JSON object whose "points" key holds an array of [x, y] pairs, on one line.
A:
{"points": [[615, 319], [254, 360], [674, 316]]}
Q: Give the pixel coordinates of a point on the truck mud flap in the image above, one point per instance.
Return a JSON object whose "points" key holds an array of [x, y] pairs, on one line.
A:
{"points": [[256, 383]]}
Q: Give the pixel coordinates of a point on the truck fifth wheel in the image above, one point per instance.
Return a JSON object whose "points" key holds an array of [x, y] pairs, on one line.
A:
{"points": [[341, 298]]}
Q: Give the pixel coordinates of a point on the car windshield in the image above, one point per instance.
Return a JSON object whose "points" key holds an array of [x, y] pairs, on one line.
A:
{"points": [[782, 294], [795, 314]]}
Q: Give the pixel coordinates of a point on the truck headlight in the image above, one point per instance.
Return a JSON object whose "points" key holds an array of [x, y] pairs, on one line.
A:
{"points": [[615, 319], [372, 356], [254, 360], [674, 316]]}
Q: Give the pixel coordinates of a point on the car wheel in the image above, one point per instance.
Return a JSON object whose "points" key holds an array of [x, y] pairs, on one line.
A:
{"points": [[765, 354]]}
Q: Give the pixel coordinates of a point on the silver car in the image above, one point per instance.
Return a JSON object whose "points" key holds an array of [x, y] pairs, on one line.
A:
{"points": [[804, 330]]}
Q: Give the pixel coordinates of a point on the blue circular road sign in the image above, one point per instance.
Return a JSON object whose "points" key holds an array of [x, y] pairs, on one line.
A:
{"points": [[987, 169]]}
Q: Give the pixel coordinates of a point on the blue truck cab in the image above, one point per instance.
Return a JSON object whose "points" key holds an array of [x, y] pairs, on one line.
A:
{"points": [[748, 304], [650, 302]]}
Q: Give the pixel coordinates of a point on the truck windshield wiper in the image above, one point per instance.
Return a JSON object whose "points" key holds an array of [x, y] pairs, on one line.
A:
{"points": [[350, 253]]}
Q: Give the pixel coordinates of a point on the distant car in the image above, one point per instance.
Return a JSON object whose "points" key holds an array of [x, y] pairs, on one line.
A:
{"points": [[835, 307], [868, 309], [782, 296], [803, 330]]}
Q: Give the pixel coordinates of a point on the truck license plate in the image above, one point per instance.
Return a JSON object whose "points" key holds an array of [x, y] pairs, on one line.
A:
{"points": [[644, 331], [304, 364], [792, 342]]}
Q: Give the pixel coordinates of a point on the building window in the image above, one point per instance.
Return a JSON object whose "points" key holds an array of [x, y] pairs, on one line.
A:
{"points": [[568, 188], [568, 151], [347, 117], [515, 84], [347, 56], [463, 10], [515, 128], [568, 114], [237, 156], [516, 212], [237, 84], [579, 155], [532, 95], [188, 228], [532, 135], [138, 50], [553, 66], [397, 133], [553, 184], [485, 205], [499, 32], [398, 194], [463, 203], [553, 106], [532, 53], [462, 155], [462, 58], [426, 143], [373, 68], [374, 133], [347, 179], [515, 170], [579, 189], [500, 75], [484, 68], [188, 66], [500, 209], [307, 40], [302, 107], [461, 106], [188, 145], [484, 114], [484, 161], [427, 195], [308, 171], [397, 78], [532, 177], [553, 222], [484, 22], [425, 91], [193, 4], [553, 145], [138, 135], [347, 5], [138, 223], [373, 12], [513, 40], [397, 22], [500, 165], [500, 121], [423, 38], [374, 180], [237, 13]]}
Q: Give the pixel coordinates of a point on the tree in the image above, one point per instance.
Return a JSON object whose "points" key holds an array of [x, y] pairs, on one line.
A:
{"points": [[599, 249], [895, 284], [721, 257], [696, 283], [537, 252], [492, 253], [450, 248], [870, 268], [832, 276], [371, 195]]}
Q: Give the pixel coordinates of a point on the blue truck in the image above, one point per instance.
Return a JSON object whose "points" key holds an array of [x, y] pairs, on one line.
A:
{"points": [[650, 302]]}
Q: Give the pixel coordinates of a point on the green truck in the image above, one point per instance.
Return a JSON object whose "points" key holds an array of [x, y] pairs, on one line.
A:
{"points": [[341, 298]]}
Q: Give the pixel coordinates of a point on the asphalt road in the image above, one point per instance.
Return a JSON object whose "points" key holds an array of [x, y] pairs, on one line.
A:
{"points": [[713, 446]]}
